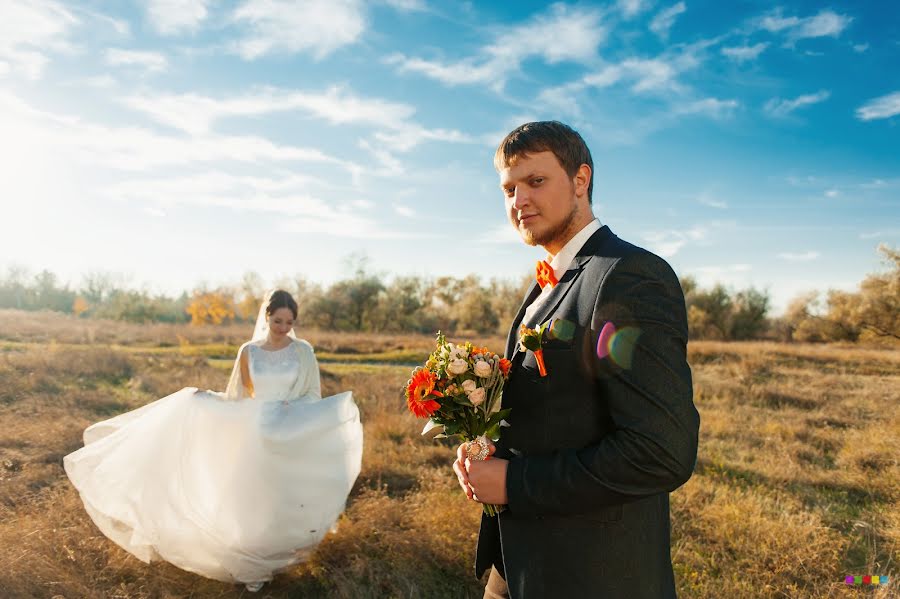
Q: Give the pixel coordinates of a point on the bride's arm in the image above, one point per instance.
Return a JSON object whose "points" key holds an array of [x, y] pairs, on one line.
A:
{"points": [[246, 381]]}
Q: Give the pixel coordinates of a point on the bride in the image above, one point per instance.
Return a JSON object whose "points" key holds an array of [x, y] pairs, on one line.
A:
{"points": [[233, 486]]}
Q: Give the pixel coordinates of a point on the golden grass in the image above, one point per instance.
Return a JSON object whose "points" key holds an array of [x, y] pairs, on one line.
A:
{"points": [[797, 482]]}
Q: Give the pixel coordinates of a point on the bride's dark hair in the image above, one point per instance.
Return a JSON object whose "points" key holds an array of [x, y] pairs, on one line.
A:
{"points": [[281, 299]]}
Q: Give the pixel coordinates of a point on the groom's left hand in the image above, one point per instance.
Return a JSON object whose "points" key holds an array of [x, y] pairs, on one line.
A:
{"points": [[488, 479]]}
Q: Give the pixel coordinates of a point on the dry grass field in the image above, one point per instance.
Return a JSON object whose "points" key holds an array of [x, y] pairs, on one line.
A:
{"points": [[796, 486]]}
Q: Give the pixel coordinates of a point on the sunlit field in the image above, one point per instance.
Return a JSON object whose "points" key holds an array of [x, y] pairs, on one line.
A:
{"points": [[796, 485]]}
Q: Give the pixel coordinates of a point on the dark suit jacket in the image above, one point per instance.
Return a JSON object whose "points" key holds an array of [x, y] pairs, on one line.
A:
{"points": [[596, 446]]}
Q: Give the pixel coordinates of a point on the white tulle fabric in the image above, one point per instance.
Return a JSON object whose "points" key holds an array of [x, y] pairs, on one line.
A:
{"points": [[234, 490]]}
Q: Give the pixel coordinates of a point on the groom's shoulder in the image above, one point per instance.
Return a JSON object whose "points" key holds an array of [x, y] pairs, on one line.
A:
{"points": [[617, 254]]}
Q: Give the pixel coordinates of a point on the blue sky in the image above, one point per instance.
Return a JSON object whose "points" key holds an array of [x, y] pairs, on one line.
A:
{"points": [[180, 142]]}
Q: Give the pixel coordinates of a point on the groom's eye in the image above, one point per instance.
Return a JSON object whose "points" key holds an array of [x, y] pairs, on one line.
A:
{"points": [[509, 191], [537, 180]]}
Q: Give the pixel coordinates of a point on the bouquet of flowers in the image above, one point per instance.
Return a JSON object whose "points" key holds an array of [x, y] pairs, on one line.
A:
{"points": [[459, 390]]}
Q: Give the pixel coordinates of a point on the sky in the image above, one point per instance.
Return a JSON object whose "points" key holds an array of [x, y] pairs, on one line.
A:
{"points": [[186, 142]]}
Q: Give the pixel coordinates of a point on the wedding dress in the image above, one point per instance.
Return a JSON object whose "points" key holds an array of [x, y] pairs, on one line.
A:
{"points": [[225, 486]]}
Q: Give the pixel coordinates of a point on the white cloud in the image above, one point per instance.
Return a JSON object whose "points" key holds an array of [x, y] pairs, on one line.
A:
{"points": [[832, 193], [287, 196], [745, 53], [706, 200], [781, 108], [562, 34], [151, 61], [729, 274], [669, 243], [196, 114], [316, 26], [177, 16], [29, 30], [138, 149], [880, 108], [825, 24], [632, 8], [860, 48], [407, 5], [501, 234], [665, 19], [799, 257], [711, 107], [404, 211]]}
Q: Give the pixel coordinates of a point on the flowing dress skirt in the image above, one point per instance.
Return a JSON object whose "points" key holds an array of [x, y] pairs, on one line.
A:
{"points": [[231, 490]]}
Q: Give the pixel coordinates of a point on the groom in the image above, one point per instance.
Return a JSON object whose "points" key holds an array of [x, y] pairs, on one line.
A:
{"points": [[594, 447]]}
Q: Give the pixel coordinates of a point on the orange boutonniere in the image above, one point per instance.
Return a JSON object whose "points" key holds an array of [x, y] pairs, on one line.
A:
{"points": [[533, 339]]}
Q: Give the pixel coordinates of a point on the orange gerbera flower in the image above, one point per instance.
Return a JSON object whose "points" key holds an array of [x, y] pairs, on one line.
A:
{"points": [[420, 394], [505, 366]]}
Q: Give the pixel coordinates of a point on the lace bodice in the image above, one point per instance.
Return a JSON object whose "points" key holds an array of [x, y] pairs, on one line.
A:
{"points": [[287, 373], [273, 371]]}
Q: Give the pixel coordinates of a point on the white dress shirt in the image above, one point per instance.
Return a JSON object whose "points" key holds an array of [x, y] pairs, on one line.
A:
{"points": [[560, 264]]}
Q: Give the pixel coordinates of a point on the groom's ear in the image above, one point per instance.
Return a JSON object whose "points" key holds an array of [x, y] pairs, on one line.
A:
{"points": [[582, 181]]}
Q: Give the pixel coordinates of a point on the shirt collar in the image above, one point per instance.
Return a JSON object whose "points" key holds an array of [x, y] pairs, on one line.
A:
{"points": [[561, 261]]}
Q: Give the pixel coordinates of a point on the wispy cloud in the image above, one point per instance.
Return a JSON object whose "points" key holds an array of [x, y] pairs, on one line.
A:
{"points": [[778, 107], [196, 113], [501, 234], [632, 8], [138, 149], [832, 193], [860, 48], [728, 274], [744, 53], [281, 26], [29, 30], [668, 243], [176, 16], [799, 257], [407, 5], [404, 211], [710, 107], [882, 107], [712, 202], [662, 23], [826, 23], [150, 61], [562, 34]]}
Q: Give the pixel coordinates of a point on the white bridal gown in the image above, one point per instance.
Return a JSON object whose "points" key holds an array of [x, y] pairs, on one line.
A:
{"points": [[231, 490]]}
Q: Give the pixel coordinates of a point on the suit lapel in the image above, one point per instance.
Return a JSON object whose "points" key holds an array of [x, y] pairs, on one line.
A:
{"points": [[556, 296], [587, 251]]}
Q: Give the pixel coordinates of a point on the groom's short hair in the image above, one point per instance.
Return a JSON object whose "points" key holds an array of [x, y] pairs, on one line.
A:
{"points": [[546, 136]]}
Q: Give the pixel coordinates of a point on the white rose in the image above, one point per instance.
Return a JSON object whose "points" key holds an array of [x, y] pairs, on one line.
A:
{"points": [[477, 396], [458, 352], [483, 369], [468, 386], [457, 366]]}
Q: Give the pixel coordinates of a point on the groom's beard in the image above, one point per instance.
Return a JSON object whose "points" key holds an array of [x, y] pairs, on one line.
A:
{"points": [[548, 236]]}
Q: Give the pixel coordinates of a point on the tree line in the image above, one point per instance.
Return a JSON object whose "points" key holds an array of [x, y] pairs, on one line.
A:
{"points": [[369, 302]]}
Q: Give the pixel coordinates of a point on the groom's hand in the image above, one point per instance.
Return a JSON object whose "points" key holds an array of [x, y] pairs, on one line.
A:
{"points": [[459, 467], [487, 479]]}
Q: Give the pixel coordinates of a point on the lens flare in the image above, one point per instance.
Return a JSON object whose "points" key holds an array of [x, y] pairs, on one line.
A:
{"points": [[617, 345], [561, 329]]}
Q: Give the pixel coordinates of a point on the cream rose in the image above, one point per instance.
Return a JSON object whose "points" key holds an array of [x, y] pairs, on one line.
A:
{"points": [[457, 366], [468, 386], [477, 396], [483, 369]]}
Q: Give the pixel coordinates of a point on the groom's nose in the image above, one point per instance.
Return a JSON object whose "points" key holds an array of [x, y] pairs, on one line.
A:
{"points": [[520, 198]]}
